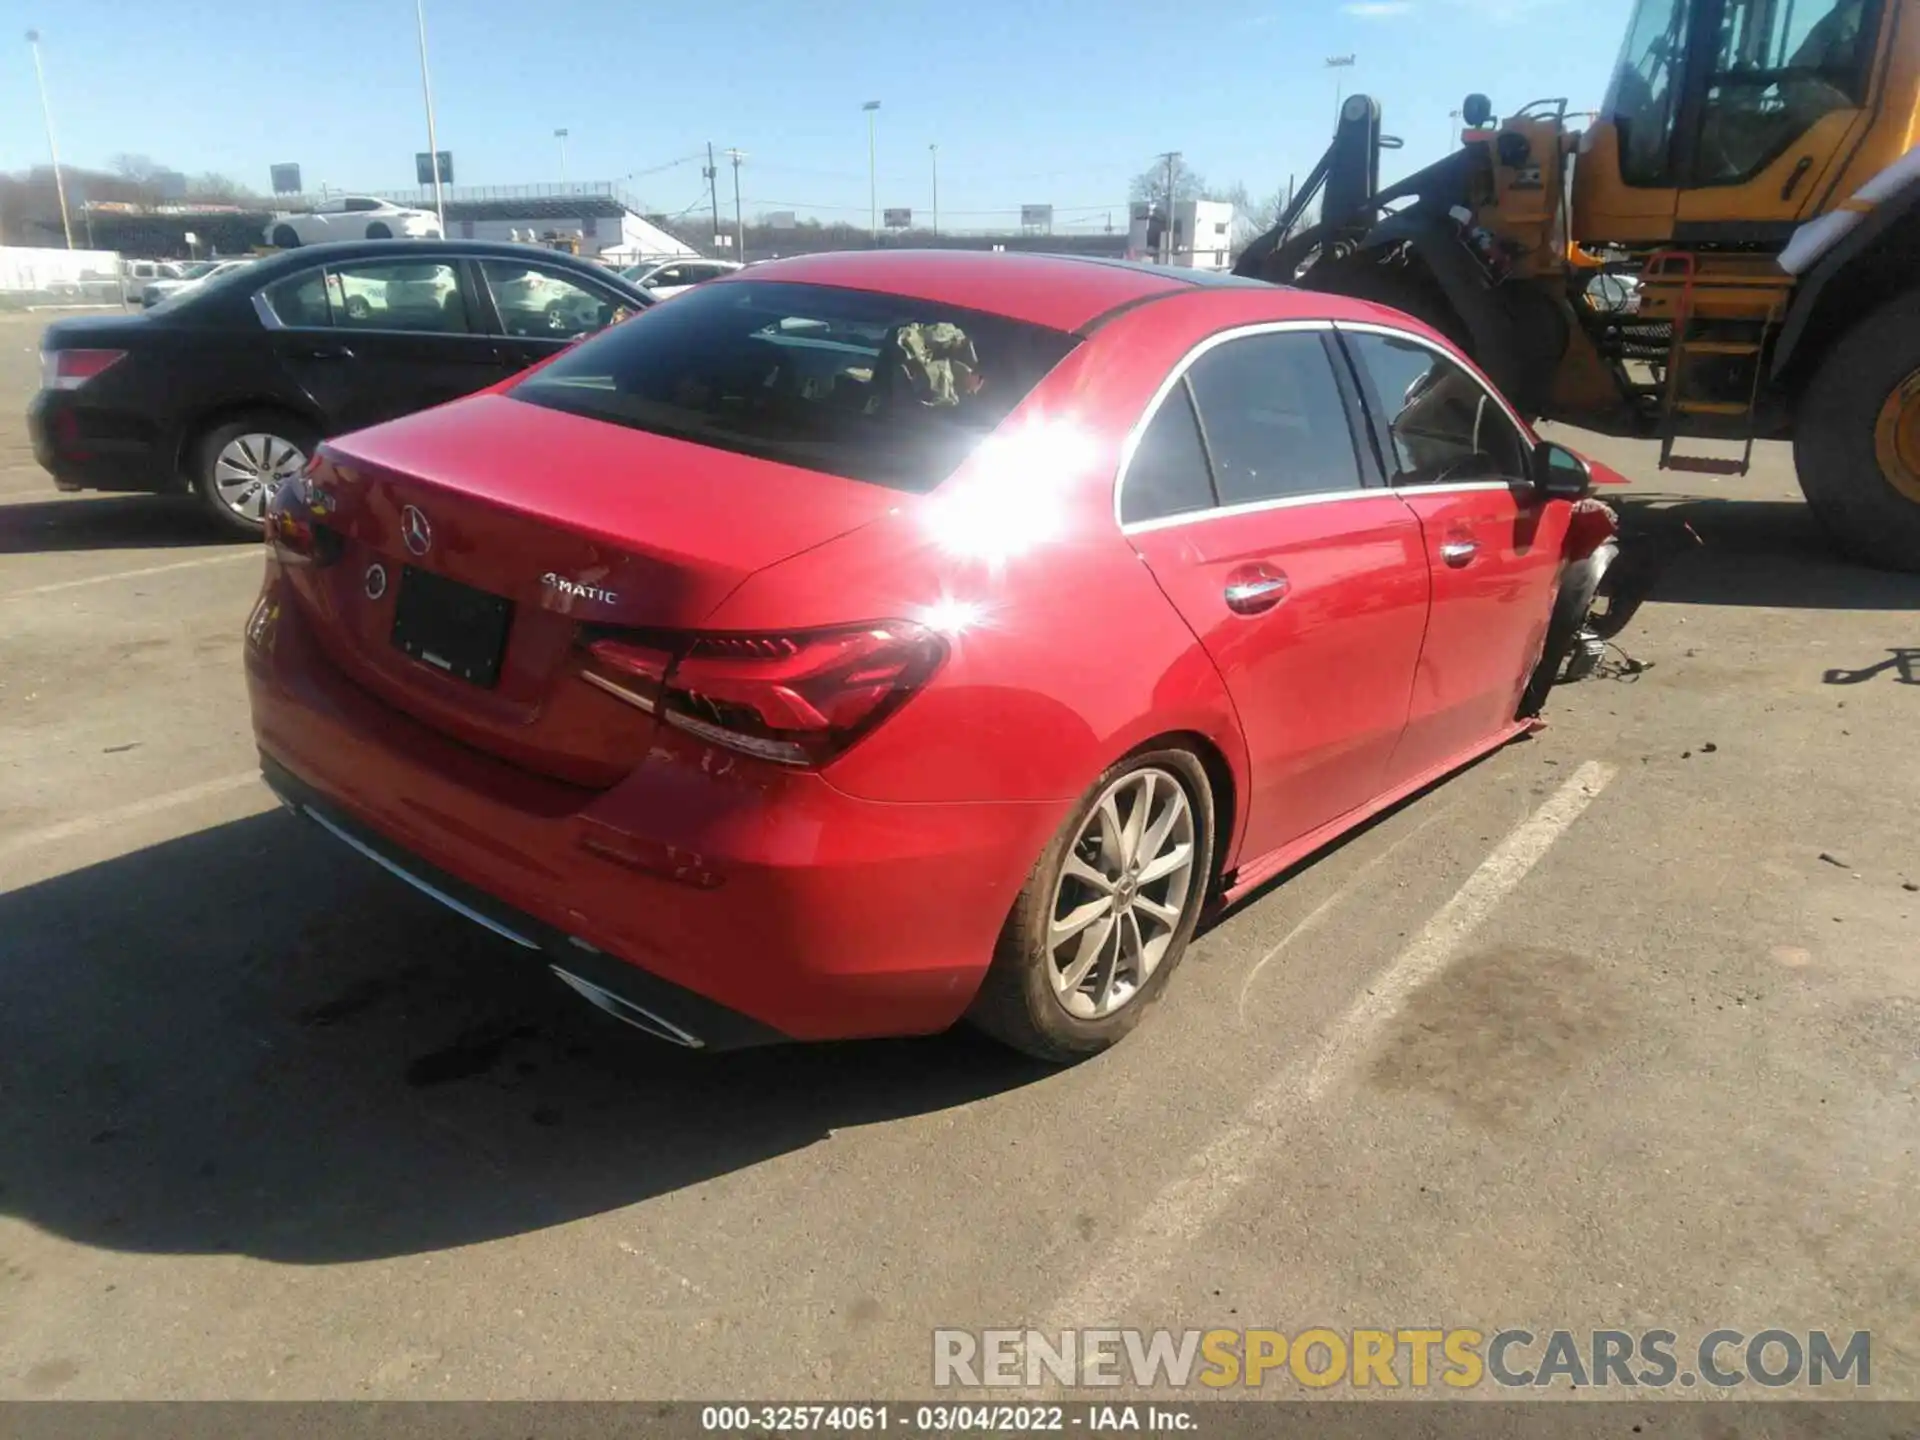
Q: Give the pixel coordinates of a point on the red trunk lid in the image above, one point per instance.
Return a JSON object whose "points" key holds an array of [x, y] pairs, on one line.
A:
{"points": [[575, 522]]}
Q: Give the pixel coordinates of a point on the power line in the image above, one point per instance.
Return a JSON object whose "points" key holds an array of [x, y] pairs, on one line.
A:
{"points": [[945, 210]]}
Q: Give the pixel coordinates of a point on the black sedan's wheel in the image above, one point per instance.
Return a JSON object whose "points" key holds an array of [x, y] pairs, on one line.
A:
{"points": [[285, 237], [1106, 913], [239, 464]]}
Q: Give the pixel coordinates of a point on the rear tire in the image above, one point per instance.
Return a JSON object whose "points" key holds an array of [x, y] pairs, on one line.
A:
{"points": [[239, 463], [379, 230], [1840, 466], [1152, 893], [285, 237]]}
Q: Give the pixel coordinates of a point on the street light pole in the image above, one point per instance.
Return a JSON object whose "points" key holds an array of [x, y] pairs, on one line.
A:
{"points": [[433, 139], [53, 146], [934, 151], [561, 136], [873, 178]]}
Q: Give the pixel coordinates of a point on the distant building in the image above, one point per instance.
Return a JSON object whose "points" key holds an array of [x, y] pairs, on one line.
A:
{"points": [[1202, 234], [604, 221]]}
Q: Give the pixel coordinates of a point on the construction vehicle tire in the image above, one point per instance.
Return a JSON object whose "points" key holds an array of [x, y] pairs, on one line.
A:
{"points": [[1856, 441]]}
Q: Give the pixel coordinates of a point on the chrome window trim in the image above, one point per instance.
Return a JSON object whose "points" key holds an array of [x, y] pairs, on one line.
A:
{"points": [[1286, 502], [273, 322], [1252, 507]]}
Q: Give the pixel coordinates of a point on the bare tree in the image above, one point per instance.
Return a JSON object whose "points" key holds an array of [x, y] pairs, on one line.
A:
{"points": [[138, 168], [216, 187], [1151, 184]]}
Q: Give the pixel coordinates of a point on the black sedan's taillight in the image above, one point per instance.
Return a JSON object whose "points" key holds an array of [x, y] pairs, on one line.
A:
{"points": [[70, 369]]}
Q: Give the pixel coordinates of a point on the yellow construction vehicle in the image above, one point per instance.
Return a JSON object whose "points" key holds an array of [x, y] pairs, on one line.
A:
{"points": [[1730, 251]]}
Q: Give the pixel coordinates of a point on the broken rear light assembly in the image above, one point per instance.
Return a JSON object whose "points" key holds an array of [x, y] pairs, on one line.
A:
{"points": [[70, 369], [795, 699], [292, 525]]}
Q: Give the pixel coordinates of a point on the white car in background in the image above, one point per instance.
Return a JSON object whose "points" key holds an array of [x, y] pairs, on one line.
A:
{"points": [[191, 276], [665, 278], [352, 217]]}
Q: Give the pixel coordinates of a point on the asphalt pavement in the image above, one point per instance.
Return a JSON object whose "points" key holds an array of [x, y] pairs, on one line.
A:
{"points": [[1618, 1028]]}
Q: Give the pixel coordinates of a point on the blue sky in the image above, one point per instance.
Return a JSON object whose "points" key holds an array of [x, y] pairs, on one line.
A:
{"points": [[1048, 101]]}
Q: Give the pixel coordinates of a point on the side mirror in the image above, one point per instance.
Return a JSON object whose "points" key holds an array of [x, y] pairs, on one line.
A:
{"points": [[1476, 110], [1560, 474]]}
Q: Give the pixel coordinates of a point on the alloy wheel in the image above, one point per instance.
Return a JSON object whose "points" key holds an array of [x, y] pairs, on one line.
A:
{"points": [[249, 468], [1123, 889]]}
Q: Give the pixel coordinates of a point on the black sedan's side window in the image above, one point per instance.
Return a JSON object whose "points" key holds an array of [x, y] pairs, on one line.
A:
{"points": [[299, 301], [540, 303], [1274, 419], [419, 295], [1168, 473], [1444, 427]]}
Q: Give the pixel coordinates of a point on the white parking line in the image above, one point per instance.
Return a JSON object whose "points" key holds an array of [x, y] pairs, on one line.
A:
{"points": [[106, 819], [1327, 906], [224, 558], [1179, 1214]]}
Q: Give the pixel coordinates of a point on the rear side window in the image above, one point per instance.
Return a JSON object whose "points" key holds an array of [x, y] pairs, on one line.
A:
{"points": [[1274, 420], [299, 301], [1168, 473], [872, 387]]}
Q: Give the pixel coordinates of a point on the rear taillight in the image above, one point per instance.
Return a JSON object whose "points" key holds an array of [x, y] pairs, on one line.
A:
{"points": [[796, 699], [292, 525], [70, 369]]}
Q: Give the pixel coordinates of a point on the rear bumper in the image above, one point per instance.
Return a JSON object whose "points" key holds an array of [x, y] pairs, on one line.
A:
{"points": [[721, 897], [645, 1001], [68, 448]]}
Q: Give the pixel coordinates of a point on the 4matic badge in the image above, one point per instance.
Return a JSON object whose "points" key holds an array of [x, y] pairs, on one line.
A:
{"points": [[573, 587]]}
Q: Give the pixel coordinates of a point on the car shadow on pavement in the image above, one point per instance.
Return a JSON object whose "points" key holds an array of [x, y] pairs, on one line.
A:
{"points": [[248, 1040], [1755, 552], [110, 522]]}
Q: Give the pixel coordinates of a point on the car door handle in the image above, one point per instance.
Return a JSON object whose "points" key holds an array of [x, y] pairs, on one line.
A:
{"points": [[1459, 552], [1255, 589], [326, 352]]}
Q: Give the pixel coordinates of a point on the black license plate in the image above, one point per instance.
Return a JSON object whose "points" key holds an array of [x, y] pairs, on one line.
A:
{"points": [[455, 628]]}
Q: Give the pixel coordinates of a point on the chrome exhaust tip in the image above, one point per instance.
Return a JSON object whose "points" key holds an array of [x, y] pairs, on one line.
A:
{"points": [[627, 1012]]}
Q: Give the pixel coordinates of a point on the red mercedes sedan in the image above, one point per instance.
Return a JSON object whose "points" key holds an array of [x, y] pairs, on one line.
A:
{"points": [[865, 642]]}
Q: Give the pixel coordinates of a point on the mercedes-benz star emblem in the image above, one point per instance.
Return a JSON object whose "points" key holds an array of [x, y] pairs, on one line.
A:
{"points": [[376, 581], [415, 530]]}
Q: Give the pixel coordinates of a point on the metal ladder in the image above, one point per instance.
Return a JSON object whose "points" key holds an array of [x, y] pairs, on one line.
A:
{"points": [[1676, 403]]}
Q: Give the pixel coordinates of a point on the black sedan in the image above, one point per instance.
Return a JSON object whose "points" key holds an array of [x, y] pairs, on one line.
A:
{"points": [[224, 390]]}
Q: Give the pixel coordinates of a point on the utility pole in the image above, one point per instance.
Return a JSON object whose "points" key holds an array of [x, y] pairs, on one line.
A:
{"points": [[1172, 157], [561, 136], [739, 225], [934, 151], [873, 178], [53, 146], [433, 139], [712, 172]]}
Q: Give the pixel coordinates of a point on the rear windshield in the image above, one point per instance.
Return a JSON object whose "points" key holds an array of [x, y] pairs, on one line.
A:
{"points": [[879, 388]]}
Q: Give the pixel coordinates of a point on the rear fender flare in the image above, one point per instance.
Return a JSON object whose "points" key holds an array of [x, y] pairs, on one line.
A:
{"points": [[195, 426]]}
